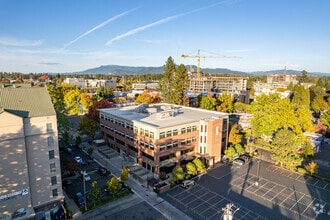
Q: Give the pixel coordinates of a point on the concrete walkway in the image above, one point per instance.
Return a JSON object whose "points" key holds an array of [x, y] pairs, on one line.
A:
{"points": [[141, 192]]}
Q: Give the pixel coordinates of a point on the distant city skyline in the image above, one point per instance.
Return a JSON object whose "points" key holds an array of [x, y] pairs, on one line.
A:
{"points": [[70, 36]]}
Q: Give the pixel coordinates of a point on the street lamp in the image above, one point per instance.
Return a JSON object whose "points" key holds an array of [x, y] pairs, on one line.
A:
{"points": [[258, 171], [85, 200]]}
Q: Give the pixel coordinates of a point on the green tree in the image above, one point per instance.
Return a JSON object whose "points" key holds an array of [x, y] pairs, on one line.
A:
{"points": [[284, 149], [178, 173], [62, 122], [147, 98], [198, 164], [165, 84], [78, 141], [290, 87], [71, 100], [124, 174], [180, 86], [87, 126], [207, 102], [319, 104], [325, 118], [86, 101], [94, 193], [315, 91], [104, 92], [57, 97], [273, 113], [66, 137], [235, 136], [239, 148], [113, 186], [240, 107], [312, 167], [190, 168], [308, 149], [225, 103], [301, 96], [304, 77], [230, 152], [90, 151]]}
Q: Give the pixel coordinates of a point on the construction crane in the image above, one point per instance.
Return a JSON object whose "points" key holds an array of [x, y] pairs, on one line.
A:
{"points": [[199, 60]]}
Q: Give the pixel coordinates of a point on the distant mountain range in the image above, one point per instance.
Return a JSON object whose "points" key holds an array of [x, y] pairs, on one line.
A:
{"points": [[135, 70]]}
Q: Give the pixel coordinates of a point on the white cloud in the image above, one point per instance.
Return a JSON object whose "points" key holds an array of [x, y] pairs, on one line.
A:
{"points": [[161, 21], [19, 42], [99, 26]]}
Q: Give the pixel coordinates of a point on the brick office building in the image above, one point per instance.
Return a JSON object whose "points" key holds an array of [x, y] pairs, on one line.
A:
{"points": [[159, 136]]}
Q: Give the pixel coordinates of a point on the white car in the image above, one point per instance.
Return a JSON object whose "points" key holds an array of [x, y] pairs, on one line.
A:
{"points": [[86, 176], [77, 159], [187, 184]]}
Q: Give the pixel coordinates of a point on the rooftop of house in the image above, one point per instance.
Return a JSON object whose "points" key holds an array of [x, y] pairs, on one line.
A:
{"points": [[163, 115], [26, 102]]}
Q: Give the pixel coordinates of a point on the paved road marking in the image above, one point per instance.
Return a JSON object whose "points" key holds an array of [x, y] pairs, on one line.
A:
{"points": [[286, 198]]}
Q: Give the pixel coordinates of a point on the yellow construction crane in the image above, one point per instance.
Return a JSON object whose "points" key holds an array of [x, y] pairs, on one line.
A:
{"points": [[199, 60]]}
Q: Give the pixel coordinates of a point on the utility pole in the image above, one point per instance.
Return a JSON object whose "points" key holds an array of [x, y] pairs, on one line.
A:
{"points": [[258, 172], [84, 191]]}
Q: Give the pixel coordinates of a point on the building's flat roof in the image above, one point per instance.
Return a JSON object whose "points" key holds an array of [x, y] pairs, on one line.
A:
{"points": [[151, 114]]}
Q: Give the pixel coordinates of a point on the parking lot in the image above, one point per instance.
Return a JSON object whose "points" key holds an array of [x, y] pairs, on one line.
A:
{"points": [[77, 181], [272, 193]]}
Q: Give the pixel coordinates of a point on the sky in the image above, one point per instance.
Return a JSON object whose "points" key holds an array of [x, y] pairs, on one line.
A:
{"points": [[62, 36]]}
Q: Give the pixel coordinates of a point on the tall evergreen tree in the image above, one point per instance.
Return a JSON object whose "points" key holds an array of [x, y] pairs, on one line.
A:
{"points": [[180, 86], [165, 84]]}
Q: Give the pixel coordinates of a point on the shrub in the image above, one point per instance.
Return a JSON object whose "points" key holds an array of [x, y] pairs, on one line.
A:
{"points": [[162, 175], [90, 151], [302, 171]]}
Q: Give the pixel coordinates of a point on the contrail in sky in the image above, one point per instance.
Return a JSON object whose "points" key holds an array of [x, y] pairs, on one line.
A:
{"points": [[161, 21], [99, 26]]}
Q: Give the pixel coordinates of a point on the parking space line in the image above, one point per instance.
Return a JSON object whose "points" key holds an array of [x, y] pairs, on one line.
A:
{"points": [[209, 202], [284, 197], [299, 177]]}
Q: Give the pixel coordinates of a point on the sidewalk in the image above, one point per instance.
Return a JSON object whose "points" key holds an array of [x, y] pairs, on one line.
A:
{"points": [[147, 194]]}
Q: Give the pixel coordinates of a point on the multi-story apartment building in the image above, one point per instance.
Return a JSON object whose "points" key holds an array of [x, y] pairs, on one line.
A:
{"points": [[276, 83], [159, 136], [91, 83], [30, 172]]}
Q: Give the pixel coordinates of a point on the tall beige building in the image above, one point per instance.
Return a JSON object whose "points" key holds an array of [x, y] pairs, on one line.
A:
{"points": [[30, 174], [160, 136]]}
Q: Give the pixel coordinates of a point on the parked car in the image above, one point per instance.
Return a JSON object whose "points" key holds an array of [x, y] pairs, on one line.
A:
{"points": [[80, 199], [102, 171], [69, 150], [245, 157], [85, 176], [67, 182], [77, 159], [187, 183], [82, 163], [239, 162]]}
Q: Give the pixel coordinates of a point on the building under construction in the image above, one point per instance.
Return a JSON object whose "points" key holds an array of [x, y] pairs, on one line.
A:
{"points": [[235, 85]]}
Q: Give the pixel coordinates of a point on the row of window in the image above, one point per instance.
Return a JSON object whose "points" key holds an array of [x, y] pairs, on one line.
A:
{"points": [[175, 132], [176, 143], [117, 122], [145, 144], [144, 132]]}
